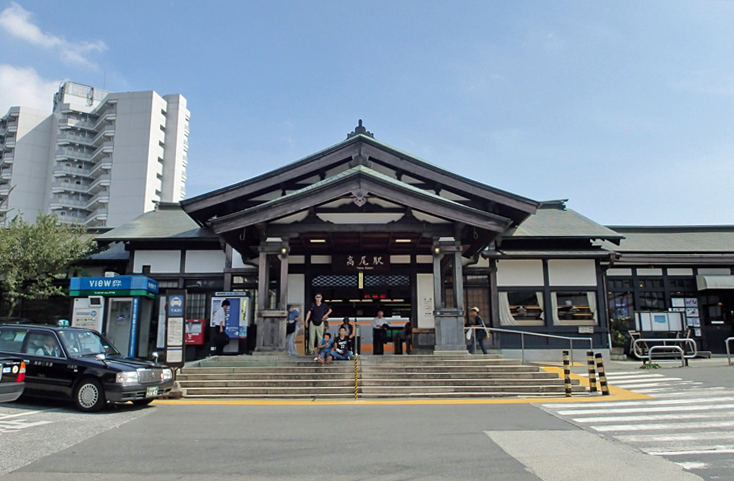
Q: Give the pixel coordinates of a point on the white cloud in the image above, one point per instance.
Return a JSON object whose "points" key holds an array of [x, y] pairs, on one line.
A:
{"points": [[16, 21], [24, 87]]}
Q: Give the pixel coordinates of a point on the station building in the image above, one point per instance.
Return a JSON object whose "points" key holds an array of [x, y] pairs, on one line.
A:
{"points": [[374, 228]]}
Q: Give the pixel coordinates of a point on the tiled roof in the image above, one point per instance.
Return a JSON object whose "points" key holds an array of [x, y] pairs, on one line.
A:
{"points": [[553, 220], [169, 221], [681, 239]]}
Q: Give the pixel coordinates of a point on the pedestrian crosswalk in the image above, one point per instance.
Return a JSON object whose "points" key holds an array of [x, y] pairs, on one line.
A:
{"points": [[683, 421]]}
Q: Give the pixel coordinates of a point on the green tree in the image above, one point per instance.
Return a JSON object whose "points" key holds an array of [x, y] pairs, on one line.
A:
{"points": [[33, 256]]}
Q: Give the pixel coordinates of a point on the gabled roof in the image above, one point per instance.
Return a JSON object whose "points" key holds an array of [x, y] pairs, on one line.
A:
{"points": [[225, 200], [554, 220], [168, 221], [362, 178]]}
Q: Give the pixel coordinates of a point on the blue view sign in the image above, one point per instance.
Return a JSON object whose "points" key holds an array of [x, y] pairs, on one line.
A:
{"points": [[176, 306], [119, 286]]}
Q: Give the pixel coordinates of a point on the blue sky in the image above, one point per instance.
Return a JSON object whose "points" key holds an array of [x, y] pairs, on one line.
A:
{"points": [[624, 108]]}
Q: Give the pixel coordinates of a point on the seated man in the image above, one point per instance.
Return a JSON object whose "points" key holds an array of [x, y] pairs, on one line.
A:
{"points": [[49, 348], [324, 352], [340, 349], [407, 337]]}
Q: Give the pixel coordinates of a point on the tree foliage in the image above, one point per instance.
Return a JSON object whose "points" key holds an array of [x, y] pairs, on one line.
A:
{"points": [[33, 256]]}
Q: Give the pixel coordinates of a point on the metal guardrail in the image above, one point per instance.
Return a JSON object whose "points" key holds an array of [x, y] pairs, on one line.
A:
{"points": [[728, 351], [524, 333], [665, 347]]}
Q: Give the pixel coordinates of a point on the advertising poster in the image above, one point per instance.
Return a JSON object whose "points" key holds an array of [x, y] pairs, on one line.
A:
{"points": [[235, 324]]}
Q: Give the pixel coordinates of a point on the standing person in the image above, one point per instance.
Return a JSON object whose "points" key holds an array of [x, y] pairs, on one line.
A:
{"points": [[351, 333], [220, 336], [291, 330], [317, 314], [340, 348], [480, 334], [378, 333]]}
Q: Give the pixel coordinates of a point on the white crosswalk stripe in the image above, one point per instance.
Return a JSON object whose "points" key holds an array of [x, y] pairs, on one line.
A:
{"points": [[684, 422]]}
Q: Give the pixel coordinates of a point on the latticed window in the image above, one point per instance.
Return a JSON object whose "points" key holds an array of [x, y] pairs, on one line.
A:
{"points": [[387, 281], [335, 281], [196, 306]]}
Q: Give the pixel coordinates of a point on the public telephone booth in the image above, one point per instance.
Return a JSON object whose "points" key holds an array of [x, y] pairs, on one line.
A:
{"points": [[120, 307]]}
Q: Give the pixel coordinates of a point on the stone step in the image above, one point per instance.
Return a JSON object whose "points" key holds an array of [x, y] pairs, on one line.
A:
{"points": [[365, 374], [313, 368], [298, 383]]}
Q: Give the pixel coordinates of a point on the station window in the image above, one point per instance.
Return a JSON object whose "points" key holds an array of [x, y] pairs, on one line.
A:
{"points": [[521, 308], [574, 308]]}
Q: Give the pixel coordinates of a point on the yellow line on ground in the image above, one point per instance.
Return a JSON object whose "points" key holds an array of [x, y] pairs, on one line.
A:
{"points": [[615, 394]]}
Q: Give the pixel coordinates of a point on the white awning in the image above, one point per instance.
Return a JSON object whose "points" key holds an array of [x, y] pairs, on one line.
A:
{"points": [[715, 282]]}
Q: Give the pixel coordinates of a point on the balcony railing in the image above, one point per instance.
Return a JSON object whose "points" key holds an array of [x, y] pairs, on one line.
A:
{"points": [[101, 181], [61, 170], [101, 166], [12, 127], [107, 132], [57, 187], [66, 153], [65, 137], [101, 198], [68, 123], [59, 202], [7, 159], [108, 116]]}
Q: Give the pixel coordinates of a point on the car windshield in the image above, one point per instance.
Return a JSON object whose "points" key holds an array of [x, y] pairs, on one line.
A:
{"points": [[80, 343]]}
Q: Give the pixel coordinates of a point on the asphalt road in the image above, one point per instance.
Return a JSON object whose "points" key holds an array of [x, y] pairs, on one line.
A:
{"points": [[513, 442]]}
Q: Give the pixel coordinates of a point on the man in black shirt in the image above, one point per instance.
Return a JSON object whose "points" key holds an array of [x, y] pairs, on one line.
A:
{"points": [[315, 317]]}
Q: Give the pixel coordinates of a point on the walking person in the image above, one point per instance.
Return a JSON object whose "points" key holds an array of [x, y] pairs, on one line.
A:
{"points": [[291, 330], [315, 318], [479, 334], [221, 338]]}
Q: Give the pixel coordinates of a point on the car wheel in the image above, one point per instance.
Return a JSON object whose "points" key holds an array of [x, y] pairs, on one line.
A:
{"points": [[89, 395], [143, 402]]}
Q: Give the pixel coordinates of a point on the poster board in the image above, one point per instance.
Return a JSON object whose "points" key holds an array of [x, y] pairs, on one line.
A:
{"points": [[659, 321]]}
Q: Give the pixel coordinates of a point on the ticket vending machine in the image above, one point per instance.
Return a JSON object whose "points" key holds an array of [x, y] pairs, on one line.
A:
{"points": [[126, 307]]}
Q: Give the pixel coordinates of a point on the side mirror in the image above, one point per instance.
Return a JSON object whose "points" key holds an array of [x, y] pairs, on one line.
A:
{"points": [[155, 357], [101, 357]]}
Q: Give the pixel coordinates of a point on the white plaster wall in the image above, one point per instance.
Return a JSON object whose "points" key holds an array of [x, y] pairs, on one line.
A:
{"points": [[682, 271], [576, 272], [200, 261], [424, 287], [160, 262], [520, 273], [400, 259], [649, 272], [424, 259], [320, 259], [713, 271], [237, 261], [297, 290], [619, 272]]}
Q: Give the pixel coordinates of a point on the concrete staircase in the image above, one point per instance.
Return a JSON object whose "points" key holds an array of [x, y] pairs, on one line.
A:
{"points": [[431, 376]]}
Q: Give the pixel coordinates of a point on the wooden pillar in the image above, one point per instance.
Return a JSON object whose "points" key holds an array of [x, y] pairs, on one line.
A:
{"points": [[263, 280], [458, 280], [494, 295], [283, 298], [449, 321], [437, 277], [271, 322]]}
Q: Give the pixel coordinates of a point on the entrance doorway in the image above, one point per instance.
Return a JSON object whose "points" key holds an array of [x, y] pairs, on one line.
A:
{"points": [[119, 323]]}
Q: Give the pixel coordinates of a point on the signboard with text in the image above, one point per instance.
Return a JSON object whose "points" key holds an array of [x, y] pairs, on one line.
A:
{"points": [[353, 263]]}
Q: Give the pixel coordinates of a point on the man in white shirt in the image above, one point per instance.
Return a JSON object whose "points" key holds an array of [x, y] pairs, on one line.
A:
{"points": [[219, 324], [378, 333]]}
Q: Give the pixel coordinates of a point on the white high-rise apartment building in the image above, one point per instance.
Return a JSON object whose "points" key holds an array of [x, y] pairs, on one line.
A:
{"points": [[100, 159]]}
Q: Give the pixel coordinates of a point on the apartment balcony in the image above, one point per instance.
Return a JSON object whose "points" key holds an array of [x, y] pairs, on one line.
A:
{"points": [[72, 217], [60, 202], [186, 144], [61, 170], [68, 123], [6, 174], [58, 187], [12, 127], [7, 159], [3, 129], [65, 138], [67, 153], [99, 184], [9, 144], [5, 190]]}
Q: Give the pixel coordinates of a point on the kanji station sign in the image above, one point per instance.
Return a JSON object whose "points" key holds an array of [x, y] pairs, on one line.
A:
{"points": [[351, 263]]}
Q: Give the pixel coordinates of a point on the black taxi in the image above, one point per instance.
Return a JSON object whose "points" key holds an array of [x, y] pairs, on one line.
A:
{"points": [[82, 366]]}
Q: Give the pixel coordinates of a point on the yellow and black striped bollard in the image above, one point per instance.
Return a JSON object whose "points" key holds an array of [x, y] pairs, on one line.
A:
{"points": [[356, 377], [602, 374], [567, 374], [592, 371]]}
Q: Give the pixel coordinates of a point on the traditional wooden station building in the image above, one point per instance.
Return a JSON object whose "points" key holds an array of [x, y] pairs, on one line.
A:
{"points": [[374, 228]]}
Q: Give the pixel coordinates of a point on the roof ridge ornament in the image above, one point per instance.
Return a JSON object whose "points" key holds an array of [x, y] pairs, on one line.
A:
{"points": [[359, 129], [359, 197]]}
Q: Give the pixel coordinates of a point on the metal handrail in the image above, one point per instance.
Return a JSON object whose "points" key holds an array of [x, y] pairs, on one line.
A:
{"points": [[728, 352], [522, 338], [691, 342], [667, 348]]}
